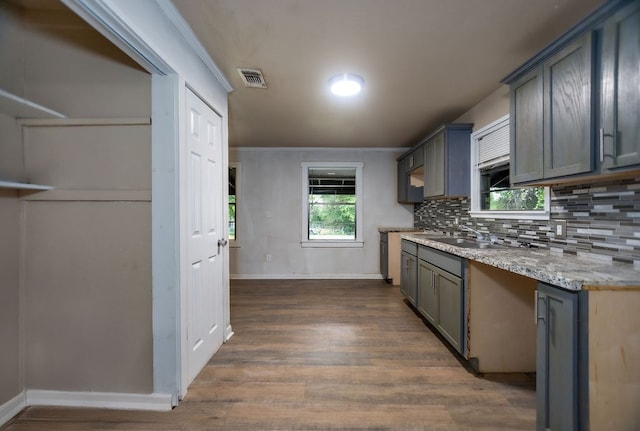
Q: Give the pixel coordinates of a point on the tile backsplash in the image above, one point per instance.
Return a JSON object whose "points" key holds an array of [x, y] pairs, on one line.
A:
{"points": [[603, 221]]}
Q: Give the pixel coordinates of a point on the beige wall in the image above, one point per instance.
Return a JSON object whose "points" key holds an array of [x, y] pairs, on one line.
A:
{"points": [[87, 294], [86, 289], [491, 108], [10, 384], [87, 259], [11, 168]]}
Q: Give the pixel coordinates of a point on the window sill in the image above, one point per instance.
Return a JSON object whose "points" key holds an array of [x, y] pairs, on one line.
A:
{"points": [[318, 243], [512, 215]]}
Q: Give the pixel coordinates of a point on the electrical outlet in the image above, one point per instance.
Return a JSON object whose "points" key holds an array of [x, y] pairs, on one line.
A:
{"points": [[267, 257], [559, 229]]}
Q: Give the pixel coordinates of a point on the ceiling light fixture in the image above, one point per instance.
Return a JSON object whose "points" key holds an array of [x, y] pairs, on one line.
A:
{"points": [[346, 84]]}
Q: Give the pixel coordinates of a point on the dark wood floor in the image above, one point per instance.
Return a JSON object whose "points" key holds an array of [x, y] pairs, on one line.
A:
{"points": [[323, 355]]}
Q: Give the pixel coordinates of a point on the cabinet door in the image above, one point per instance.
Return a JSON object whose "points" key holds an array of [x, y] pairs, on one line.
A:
{"points": [[384, 256], [449, 290], [568, 139], [408, 277], [403, 181], [526, 162], [434, 166], [620, 93], [556, 359], [428, 295]]}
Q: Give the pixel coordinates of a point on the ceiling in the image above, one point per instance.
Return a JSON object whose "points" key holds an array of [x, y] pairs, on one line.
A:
{"points": [[424, 62]]}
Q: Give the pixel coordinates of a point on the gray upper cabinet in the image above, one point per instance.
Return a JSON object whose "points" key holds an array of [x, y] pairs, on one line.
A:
{"points": [[403, 184], [436, 167], [526, 143], [585, 81], [411, 176], [619, 134], [446, 165], [567, 110], [434, 172], [551, 116]]}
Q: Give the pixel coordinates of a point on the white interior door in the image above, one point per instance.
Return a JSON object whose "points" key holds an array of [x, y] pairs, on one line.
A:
{"points": [[205, 239]]}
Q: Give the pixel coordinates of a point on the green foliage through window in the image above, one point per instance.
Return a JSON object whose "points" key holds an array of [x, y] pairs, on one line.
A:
{"points": [[332, 216], [332, 203], [232, 217], [497, 194], [232, 202], [527, 199]]}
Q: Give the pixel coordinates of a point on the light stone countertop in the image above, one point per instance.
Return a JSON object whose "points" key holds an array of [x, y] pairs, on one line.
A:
{"points": [[398, 229], [562, 270]]}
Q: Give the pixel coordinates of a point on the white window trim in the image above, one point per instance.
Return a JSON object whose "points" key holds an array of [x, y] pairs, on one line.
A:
{"points": [[323, 243], [476, 212], [235, 243]]}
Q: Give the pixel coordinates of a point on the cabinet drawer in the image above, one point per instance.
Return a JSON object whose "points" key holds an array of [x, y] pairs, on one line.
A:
{"points": [[448, 262], [410, 247]]}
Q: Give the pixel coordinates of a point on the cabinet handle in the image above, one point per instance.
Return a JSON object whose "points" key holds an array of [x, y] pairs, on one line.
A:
{"points": [[536, 311]]}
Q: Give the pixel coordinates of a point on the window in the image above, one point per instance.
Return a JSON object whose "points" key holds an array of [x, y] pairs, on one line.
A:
{"points": [[332, 215], [233, 199], [492, 194]]}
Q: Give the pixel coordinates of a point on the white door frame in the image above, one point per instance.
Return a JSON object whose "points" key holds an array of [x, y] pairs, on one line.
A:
{"points": [[154, 34]]}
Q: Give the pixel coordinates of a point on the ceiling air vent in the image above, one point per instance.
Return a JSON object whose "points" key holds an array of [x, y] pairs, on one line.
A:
{"points": [[252, 78]]}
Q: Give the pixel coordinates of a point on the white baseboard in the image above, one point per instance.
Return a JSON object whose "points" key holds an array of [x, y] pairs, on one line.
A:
{"points": [[12, 407], [305, 276], [102, 400]]}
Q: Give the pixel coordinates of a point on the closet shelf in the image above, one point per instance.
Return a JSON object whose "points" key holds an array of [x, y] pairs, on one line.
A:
{"points": [[23, 186], [19, 107]]}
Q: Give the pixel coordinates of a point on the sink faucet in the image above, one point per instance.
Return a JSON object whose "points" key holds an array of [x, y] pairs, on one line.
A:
{"points": [[479, 235]]}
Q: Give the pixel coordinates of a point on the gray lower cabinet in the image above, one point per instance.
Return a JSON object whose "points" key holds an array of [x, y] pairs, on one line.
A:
{"points": [[384, 255], [619, 134], [409, 271], [427, 298], [441, 293], [557, 359]]}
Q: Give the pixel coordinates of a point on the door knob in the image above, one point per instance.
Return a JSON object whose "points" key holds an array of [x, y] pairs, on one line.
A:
{"points": [[222, 242]]}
